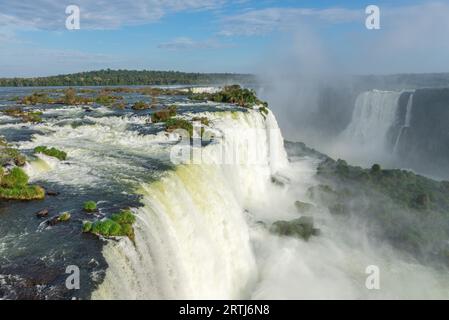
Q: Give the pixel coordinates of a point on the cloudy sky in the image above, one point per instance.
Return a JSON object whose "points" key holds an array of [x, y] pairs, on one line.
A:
{"points": [[223, 36]]}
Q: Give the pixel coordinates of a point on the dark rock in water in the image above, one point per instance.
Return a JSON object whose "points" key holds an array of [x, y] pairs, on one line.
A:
{"points": [[63, 217], [338, 209], [42, 213], [303, 207], [52, 193], [261, 224], [279, 180], [301, 228]]}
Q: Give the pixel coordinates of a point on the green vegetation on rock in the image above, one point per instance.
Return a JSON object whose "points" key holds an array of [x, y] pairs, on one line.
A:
{"points": [[140, 105], [51, 152], [25, 116], [164, 114], [204, 120], [90, 206], [14, 186], [175, 124], [36, 98], [407, 210], [65, 216], [106, 100], [119, 225], [234, 94], [302, 228], [303, 207], [9, 155]]}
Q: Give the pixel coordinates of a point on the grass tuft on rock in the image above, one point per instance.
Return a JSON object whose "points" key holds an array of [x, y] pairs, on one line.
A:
{"points": [[25, 116], [90, 206], [164, 114], [119, 225], [14, 186], [10, 155], [140, 105], [51, 152]]}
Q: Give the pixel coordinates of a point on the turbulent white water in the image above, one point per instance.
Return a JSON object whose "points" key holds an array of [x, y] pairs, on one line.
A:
{"points": [[203, 229], [366, 138], [192, 237], [374, 115], [407, 122], [198, 236]]}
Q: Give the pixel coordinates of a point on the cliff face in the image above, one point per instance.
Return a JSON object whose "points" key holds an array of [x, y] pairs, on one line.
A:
{"points": [[424, 146]]}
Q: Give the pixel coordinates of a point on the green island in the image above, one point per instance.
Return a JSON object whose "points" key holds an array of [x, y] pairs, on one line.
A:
{"points": [[25, 116], [118, 225], [233, 94], [13, 180], [51, 152], [8, 154], [14, 186]]}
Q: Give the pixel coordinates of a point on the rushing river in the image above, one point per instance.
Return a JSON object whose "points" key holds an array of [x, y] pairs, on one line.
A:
{"points": [[201, 228]]}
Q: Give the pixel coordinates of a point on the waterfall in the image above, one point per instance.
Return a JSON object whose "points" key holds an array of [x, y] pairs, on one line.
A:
{"points": [[192, 237], [202, 232], [375, 114], [407, 122]]}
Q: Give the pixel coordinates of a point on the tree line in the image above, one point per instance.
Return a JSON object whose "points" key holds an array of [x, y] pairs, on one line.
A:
{"points": [[127, 77]]}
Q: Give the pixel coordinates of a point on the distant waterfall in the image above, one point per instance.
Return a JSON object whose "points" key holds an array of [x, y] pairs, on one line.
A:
{"points": [[407, 122], [374, 116]]}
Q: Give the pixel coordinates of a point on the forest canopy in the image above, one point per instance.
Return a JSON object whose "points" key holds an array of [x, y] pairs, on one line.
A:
{"points": [[127, 77]]}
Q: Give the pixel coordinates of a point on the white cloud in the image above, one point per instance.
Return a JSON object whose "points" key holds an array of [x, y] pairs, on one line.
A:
{"points": [[185, 43], [263, 21], [95, 14]]}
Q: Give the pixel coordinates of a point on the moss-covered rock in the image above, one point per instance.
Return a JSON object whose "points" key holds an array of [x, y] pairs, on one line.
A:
{"points": [[175, 124], [106, 100], [10, 155], [90, 206], [36, 98], [65, 216], [203, 120], [14, 186], [303, 207], [164, 114], [87, 226], [25, 116], [234, 94], [301, 228], [119, 225], [51, 152], [140, 105]]}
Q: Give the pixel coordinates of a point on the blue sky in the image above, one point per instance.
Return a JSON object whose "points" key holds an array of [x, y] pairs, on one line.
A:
{"points": [[223, 36]]}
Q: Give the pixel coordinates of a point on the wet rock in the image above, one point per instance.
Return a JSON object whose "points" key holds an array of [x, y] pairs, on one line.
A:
{"points": [[303, 207], [53, 193], [338, 209], [279, 180], [42, 213], [302, 228], [63, 217]]}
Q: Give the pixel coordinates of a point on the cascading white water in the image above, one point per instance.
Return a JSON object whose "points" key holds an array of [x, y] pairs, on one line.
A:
{"points": [[203, 230], [198, 236], [192, 237], [374, 115], [407, 121], [366, 138]]}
